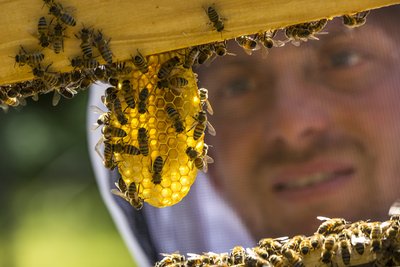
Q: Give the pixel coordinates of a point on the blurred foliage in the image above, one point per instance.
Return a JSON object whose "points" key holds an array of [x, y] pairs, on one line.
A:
{"points": [[51, 213]]}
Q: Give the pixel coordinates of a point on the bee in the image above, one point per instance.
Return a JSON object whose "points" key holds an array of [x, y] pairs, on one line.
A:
{"points": [[203, 93], [167, 67], [200, 125], [103, 47], [215, 19], [9, 101], [329, 247], [191, 57], [206, 52], [173, 259], [176, 83], [359, 243], [272, 245], [143, 96], [304, 31], [176, 119], [111, 131], [143, 139], [248, 44], [58, 11], [32, 59], [330, 226], [345, 248], [43, 31], [87, 63], [50, 79], [158, 165], [57, 38], [376, 235], [130, 194], [355, 20], [220, 49], [108, 158], [63, 91], [99, 73], [267, 41], [85, 35], [294, 242], [140, 62], [277, 261], [112, 102], [305, 246], [128, 93], [202, 160], [237, 255], [130, 150], [103, 119], [292, 257], [261, 252]]}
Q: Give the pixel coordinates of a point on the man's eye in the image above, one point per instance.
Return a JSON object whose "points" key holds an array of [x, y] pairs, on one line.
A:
{"points": [[238, 87], [344, 59]]}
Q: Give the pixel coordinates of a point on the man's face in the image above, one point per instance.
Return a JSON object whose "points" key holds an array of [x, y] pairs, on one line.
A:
{"points": [[310, 130]]}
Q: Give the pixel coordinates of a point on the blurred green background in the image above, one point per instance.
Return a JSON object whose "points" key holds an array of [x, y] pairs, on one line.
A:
{"points": [[51, 213]]}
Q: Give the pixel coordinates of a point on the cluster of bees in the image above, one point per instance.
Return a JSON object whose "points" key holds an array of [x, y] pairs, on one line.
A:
{"points": [[154, 128], [335, 243]]}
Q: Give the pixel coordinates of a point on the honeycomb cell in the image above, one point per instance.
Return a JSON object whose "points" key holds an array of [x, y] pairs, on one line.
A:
{"points": [[184, 170], [160, 103], [161, 125]]}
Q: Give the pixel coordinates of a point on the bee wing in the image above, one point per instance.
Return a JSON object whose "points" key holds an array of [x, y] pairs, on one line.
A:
{"points": [[208, 159], [395, 208], [209, 108], [97, 148], [56, 98], [279, 43], [193, 255], [264, 52], [211, 129], [359, 239], [35, 97], [118, 193], [94, 126], [323, 218]]}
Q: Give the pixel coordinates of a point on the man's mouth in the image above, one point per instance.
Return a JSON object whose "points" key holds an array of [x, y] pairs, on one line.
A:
{"points": [[312, 180]]}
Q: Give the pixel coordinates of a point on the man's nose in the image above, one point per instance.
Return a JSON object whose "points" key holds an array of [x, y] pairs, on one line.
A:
{"points": [[299, 117]]}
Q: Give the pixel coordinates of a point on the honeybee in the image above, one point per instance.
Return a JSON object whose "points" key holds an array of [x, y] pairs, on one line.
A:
{"points": [[305, 246], [140, 62], [143, 139], [143, 96], [57, 38], [376, 235], [330, 226], [157, 167], [108, 153], [220, 49], [200, 125], [176, 119], [191, 57], [206, 52], [267, 41], [50, 79], [237, 255], [355, 20], [304, 31], [294, 242], [111, 131], [293, 258], [9, 101], [174, 259], [64, 91], [175, 82], [43, 32], [203, 93], [128, 93], [215, 19], [248, 44], [272, 245], [131, 194], [85, 35], [130, 150], [88, 63], [32, 59], [103, 119], [103, 46], [167, 67], [328, 249], [58, 11], [277, 261], [112, 102], [345, 249]]}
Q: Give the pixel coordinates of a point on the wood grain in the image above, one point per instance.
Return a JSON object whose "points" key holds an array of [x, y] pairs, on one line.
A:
{"points": [[154, 26]]}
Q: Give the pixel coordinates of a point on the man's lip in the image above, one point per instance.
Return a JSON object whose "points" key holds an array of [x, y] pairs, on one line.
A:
{"points": [[309, 175]]}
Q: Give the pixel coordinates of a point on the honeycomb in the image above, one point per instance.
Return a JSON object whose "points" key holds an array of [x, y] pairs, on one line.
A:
{"points": [[177, 170]]}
